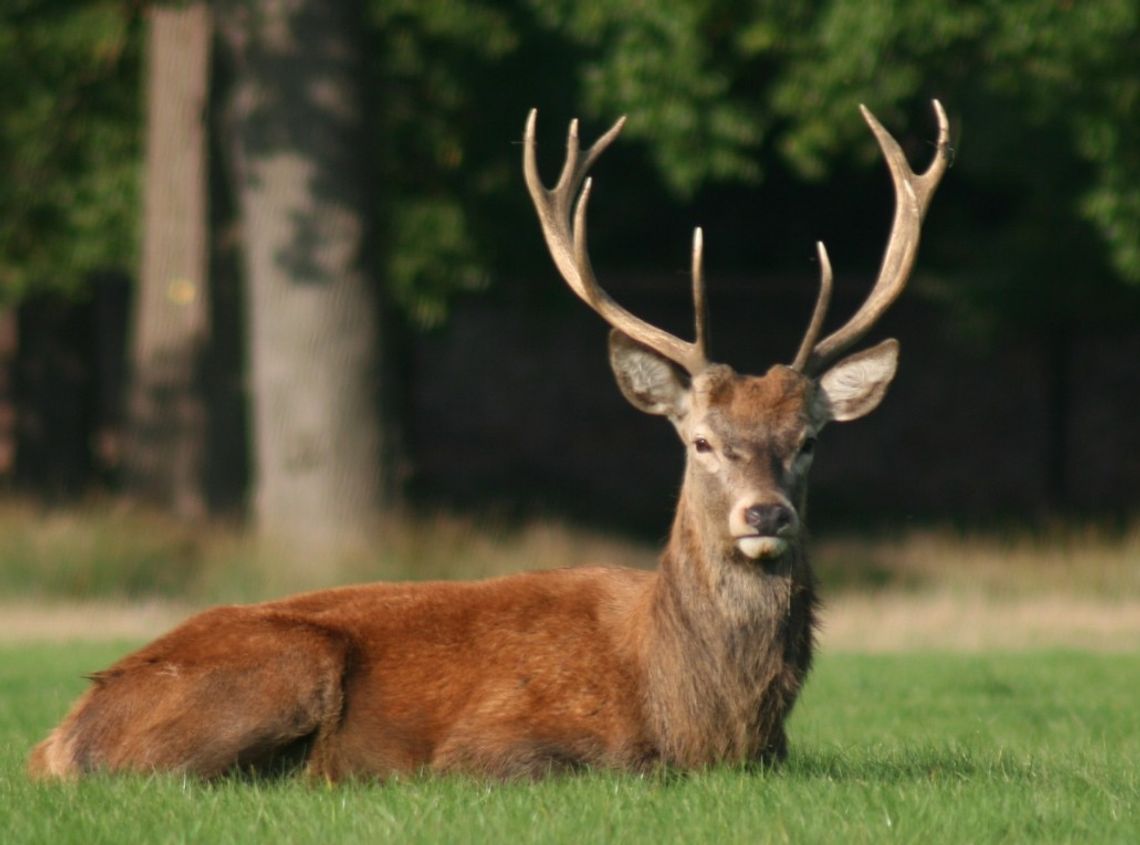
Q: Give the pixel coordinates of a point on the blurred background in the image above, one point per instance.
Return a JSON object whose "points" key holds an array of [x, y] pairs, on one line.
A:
{"points": [[275, 311]]}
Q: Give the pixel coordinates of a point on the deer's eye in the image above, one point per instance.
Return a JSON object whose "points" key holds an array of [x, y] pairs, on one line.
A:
{"points": [[808, 446], [702, 445]]}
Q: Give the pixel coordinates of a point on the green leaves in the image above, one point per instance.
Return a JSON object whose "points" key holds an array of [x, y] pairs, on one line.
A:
{"points": [[420, 279], [1012, 70], [661, 63], [1045, 95], [69, 142]]}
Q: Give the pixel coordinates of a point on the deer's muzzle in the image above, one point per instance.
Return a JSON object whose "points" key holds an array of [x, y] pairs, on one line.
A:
{"points": [[763, 530]]}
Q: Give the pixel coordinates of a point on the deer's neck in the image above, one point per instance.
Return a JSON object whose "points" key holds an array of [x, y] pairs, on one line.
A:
{"points": [[731, 642]]}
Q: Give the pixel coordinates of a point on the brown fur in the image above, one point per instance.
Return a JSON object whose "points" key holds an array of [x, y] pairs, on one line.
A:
{"points": [[694, 664]]}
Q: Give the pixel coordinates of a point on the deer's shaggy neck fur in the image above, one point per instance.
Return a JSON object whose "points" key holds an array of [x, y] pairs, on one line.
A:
{"points": [[731, 645]]}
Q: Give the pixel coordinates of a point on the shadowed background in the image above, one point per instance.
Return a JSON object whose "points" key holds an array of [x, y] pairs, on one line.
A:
{"points": [[271, 279]]}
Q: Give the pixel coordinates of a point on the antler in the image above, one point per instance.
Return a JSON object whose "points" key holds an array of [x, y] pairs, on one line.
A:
{"points": [[566, 239], [913, 193]]}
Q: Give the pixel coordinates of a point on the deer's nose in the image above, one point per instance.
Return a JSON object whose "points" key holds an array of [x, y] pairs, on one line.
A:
{"points": [[769, 520]]}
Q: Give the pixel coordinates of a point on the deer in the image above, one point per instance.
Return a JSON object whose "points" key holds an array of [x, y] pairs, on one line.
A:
{"points": [[693, 664]]}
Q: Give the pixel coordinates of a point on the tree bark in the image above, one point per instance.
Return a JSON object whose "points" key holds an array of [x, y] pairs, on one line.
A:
{"points": [[313, 318], [165, 450]]}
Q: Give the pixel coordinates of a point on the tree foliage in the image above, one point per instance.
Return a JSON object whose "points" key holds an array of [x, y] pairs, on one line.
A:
{"points": [[70, 132], [1044, 97], [427, 64]]}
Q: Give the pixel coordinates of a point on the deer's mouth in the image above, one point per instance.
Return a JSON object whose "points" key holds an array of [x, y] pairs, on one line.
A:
{"points": [[761, 547]]}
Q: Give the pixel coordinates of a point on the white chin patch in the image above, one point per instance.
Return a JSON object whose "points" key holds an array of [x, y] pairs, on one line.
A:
{"points": [[759, 548]]}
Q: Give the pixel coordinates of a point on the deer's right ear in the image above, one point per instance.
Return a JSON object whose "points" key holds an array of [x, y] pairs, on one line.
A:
{"points": [[651, 382]]}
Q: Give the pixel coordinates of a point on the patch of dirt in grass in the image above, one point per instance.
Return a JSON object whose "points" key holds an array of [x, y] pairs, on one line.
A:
{"points": [[905, 621], [71, 621]]}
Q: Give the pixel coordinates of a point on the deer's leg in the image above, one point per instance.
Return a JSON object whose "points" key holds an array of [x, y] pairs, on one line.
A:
{"points": [[258, 691], [775, 752], [498, 752]]}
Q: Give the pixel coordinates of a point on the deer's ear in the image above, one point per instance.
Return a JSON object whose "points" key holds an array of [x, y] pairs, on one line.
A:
{"points": [[651, 382], [855, 386]]}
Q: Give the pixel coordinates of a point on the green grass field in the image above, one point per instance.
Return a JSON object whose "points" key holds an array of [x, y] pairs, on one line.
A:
{"points": [[930, 747]]}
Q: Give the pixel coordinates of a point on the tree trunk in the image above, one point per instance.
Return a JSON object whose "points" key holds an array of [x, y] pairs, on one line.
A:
{"points": [[165, 450], [313, 317]]}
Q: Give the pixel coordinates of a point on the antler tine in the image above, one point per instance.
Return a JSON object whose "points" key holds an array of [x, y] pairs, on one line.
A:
{"points": [[823, 300], [700, 303], [913, 193], [566, 240]]}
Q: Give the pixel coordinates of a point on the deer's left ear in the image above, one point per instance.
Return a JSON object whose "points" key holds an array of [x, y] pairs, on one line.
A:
{"points": [[855, 386]]}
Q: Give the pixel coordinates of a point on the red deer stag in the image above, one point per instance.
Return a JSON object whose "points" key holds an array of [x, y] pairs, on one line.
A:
{"points": [[696, 663]]}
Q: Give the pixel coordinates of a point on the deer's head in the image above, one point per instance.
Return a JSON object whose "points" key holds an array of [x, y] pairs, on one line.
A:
{"points": [[749, 439]]}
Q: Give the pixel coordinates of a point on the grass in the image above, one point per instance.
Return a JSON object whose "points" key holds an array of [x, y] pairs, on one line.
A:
{"points": [[923, 747]]}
